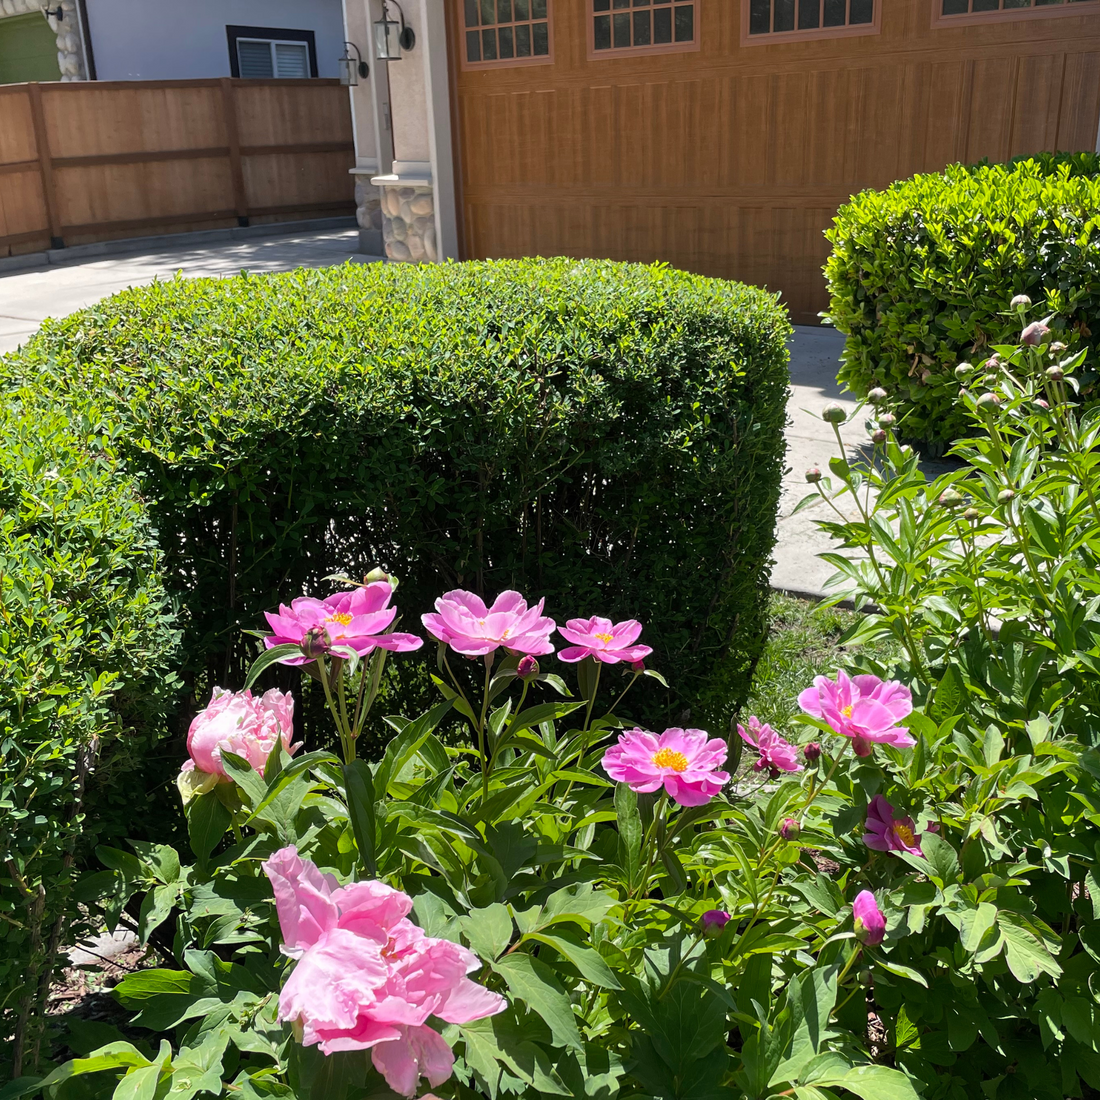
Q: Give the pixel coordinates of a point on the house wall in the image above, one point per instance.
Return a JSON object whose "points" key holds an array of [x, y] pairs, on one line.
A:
{"points": [[185, 39], [732, 160]]}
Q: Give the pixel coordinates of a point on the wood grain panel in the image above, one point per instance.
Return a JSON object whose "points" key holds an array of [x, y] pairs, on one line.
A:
{"points": [[95, 161], [732, 161]]}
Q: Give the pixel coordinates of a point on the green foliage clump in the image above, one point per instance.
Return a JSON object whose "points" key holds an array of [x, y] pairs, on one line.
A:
{"points": [[986, 581], [921, 275], [609, 436], [85, 633]]}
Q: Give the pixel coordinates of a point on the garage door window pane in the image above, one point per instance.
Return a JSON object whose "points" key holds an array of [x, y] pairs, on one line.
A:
{"points": [[810, 18], [510, 30], [649, 23], [1010, 7]]}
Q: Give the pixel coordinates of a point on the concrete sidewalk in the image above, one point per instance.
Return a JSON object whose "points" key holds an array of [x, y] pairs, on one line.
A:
{"points": [[28, 297]]}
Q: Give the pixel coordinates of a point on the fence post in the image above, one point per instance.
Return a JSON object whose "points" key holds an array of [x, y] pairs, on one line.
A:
{"points": [[45, 164], [233, 138]]}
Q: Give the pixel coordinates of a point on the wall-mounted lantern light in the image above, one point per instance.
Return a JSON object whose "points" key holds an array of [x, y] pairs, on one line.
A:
{"points": [[350, 68], [59, 15], [391, 37]]}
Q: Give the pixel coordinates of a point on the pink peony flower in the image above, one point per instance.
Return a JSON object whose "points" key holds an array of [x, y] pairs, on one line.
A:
{"points": [[236, 722], [367, 977], [606, 641], [684, 762], [863, 708], [886, 833], [870, 924], [354, 619], [463, 622], [776, 754]]}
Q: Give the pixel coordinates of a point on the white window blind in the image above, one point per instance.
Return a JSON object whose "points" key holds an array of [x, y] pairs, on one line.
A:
{"points": [[259, 59]]}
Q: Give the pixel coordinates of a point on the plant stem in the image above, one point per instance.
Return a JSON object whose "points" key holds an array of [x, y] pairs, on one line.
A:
{"points": [[592, 696]]}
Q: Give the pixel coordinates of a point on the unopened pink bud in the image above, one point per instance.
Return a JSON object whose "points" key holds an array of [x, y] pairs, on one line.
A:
{"points": [[638, 666], [813, 475], [878, 436], [1033, 335], [812, 752], [527, 666], [315, 642], [790, 829], [834, 413], [1021, 301], [714, 921]]}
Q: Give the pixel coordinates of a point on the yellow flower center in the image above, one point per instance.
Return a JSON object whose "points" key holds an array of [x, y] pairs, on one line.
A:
{"points": [[905, 834], [603, 637], [670, 758], [846, 711], [341, 617]]}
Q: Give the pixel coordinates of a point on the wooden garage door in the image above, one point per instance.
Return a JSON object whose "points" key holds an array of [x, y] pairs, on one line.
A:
{"points": [[727, 153]]}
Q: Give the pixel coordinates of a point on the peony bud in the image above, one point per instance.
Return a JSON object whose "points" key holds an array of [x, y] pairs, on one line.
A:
{"points": [[790, 829], [812, 752], [1041, 403], [813, 475], [315, 642], [950, 498], [887, 420], [963, 371], [379, 574], [1006, 496], [714, 922], [993, 362], [877, 395], [870, 925], [990, 379], [878, 436], [972, 514], [527, 666], [988, 402], [834, 413], [1055, 374], [1021, 301], [638, 666], [1033, 335], [1057, 347]]}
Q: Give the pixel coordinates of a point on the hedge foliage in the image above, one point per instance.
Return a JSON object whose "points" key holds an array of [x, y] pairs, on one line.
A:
{"points": [[921, 275], [85, 637], [609, 436]]}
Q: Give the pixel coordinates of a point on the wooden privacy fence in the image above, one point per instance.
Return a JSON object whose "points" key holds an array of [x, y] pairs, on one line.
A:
{"points": [[83, 162]]}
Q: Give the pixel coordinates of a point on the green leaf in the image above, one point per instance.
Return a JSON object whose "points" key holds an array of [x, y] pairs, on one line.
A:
{"points": [[359, 785], [1025, 953], [941, 858], [245, 776], [974, 924], [268, 658], [872, 1083], [489, 930], [534, 983], [810, 1000], [950, 696], [586, 959], [498, 1041], [406, 745], [630, 832]]}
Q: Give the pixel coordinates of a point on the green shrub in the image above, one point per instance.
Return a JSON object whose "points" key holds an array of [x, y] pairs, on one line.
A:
{"points": [[921, 274], [608, 436], [84, 633]]}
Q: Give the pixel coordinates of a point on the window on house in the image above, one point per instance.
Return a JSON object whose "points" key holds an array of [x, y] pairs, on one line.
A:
{"points": [[805, 17], [506, 31], [258, 53], [638, 24], [1009, 7]]}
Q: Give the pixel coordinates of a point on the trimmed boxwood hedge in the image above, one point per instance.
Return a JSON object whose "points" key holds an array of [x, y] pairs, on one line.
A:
{"points": [[86, 647], [921, 275], [608, 436]]}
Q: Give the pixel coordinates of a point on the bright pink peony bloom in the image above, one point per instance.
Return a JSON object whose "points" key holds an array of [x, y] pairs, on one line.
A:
{"points": [[887, 833], [776, 754], [684, 762], [235, 721], [367, 977], [863, 708], [870, 924], [606, 641], [354, 619], [462, 620]]}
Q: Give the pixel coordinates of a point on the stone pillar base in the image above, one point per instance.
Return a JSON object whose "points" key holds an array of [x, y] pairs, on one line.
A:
{"points": [[368, 213], [408, 223]]}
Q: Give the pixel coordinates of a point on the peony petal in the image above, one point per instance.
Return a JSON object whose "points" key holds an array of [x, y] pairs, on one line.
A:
{"points": [[468, 1001], [575, 653]]}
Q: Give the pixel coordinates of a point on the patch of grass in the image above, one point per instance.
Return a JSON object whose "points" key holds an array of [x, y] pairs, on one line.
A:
{"points": [[803, 642]]}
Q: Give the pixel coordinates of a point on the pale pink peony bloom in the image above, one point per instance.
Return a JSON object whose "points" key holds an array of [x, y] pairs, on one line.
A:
{"points": [[776, 754], [870, 924], [863, 708], [237, 722], [367, 977], [684, 762], [354, 619], [887, 833], [463, 622], [606, 641]]}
